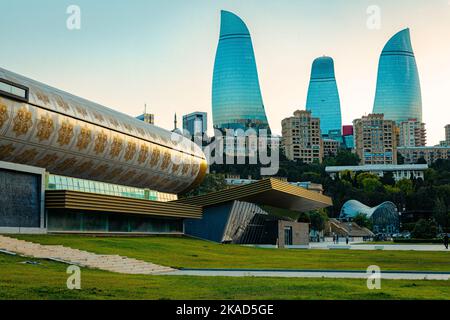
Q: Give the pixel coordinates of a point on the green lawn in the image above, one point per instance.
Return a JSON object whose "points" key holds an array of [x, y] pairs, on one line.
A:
{"points": [[191, 253], [47, 280]]}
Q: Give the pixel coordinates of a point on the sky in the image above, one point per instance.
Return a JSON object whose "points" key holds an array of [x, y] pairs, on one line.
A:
{"points": [[128, 53]]}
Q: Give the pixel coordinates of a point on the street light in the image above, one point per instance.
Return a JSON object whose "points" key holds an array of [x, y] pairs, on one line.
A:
{"points": [[350, 225]]}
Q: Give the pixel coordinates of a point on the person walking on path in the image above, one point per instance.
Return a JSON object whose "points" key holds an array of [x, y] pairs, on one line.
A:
{"points": [[446, 241]]}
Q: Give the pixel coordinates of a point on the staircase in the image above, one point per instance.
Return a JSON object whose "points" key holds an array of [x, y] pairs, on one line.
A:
{"points": [[113, 263]]}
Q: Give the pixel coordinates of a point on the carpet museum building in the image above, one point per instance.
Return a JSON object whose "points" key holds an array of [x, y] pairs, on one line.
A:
{"points": [[71, 165]]}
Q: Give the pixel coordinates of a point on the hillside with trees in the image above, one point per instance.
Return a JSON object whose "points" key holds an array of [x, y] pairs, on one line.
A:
{"points": [[427, 198]]}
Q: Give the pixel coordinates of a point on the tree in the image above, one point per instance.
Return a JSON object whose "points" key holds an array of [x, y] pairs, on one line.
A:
{"points": [[406, 186], [211, 183], [304, 217], [318, 219], [347, 158], [424, 229], [346, 175], [394, 194], [312, 176], [388, 179], [431, 176], [364, 175], [400, 158], [372, 184], [440, 213], [421, 160], [363, 221]]}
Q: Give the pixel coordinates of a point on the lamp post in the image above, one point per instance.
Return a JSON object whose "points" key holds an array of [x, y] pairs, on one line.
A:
{"points": [[350, 225]]}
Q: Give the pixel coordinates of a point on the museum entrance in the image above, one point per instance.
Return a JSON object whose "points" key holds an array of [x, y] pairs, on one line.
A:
{"points": [[288, 236]]}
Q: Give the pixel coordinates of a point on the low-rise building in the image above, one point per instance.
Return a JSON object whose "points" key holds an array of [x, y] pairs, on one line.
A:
{"points": [[236, 181], [196, 123], [147, 118], [348, 137], [399, 172], [446, 142], [330, 147], [447, 133], [254, 213], [412, 133], [340, 230], [384, 217], [430, 154]]}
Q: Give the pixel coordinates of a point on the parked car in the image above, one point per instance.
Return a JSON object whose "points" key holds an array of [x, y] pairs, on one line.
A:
{"points": [[380, 237], [402, 235], [406, 235]]}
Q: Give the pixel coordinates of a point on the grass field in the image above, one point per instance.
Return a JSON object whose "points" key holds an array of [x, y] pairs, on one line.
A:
{"points": [[47, 280], [191, 253]]}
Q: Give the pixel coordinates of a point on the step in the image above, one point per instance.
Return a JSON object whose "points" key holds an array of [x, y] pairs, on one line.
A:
{"points": [[114, 263]]}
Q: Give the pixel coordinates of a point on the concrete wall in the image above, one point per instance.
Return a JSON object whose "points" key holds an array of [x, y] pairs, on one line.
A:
{"points": [[300, 233], [22, 196]]}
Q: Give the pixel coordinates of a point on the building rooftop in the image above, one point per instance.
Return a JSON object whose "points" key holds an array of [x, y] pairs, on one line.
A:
{"points": [[378, 167], [271, 192], [349, 229], [424, 148]]}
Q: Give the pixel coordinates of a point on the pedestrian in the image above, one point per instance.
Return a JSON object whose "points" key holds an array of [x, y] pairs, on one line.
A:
{"points": [[446, 241], [337, 239], [334, 238], [346, 240]]}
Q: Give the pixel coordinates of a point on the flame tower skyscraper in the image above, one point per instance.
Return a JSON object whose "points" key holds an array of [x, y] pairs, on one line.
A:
{"points": [[398, 94], [236, 96], [323, 96]]}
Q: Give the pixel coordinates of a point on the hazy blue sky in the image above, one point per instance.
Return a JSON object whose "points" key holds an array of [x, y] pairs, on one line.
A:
{"points": [[129, 52]]}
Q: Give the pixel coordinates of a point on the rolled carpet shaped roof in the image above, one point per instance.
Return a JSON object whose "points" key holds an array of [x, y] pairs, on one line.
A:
{"points": [[68, 135]]}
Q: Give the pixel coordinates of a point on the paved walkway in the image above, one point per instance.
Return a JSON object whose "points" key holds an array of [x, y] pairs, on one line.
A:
{"points": [[113, 263], [393, 275], [394, 247]]}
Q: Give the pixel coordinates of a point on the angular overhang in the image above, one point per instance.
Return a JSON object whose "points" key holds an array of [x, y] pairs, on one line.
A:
{"points": [[271, 192], [75, 200]]}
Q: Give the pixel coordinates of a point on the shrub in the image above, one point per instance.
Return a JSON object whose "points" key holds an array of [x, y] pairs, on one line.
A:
{"points": [[424, 229]]}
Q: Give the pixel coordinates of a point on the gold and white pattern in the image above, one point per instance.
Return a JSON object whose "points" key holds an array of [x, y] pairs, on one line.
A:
{"points": [[71, 136]]}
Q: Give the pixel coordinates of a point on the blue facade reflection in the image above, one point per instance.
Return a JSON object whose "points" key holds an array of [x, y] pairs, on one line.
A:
{"points": [[398, 94], [323, 96], [236, 96], [385, 217]]}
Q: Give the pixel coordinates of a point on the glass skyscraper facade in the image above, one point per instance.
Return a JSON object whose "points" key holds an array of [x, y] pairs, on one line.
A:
{"points": [[195, 123], [323, 96], [398, 94], [236, 96]]}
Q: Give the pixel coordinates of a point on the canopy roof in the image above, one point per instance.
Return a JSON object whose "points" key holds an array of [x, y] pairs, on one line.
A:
{"points": [[271, 192], [84, 201]]}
